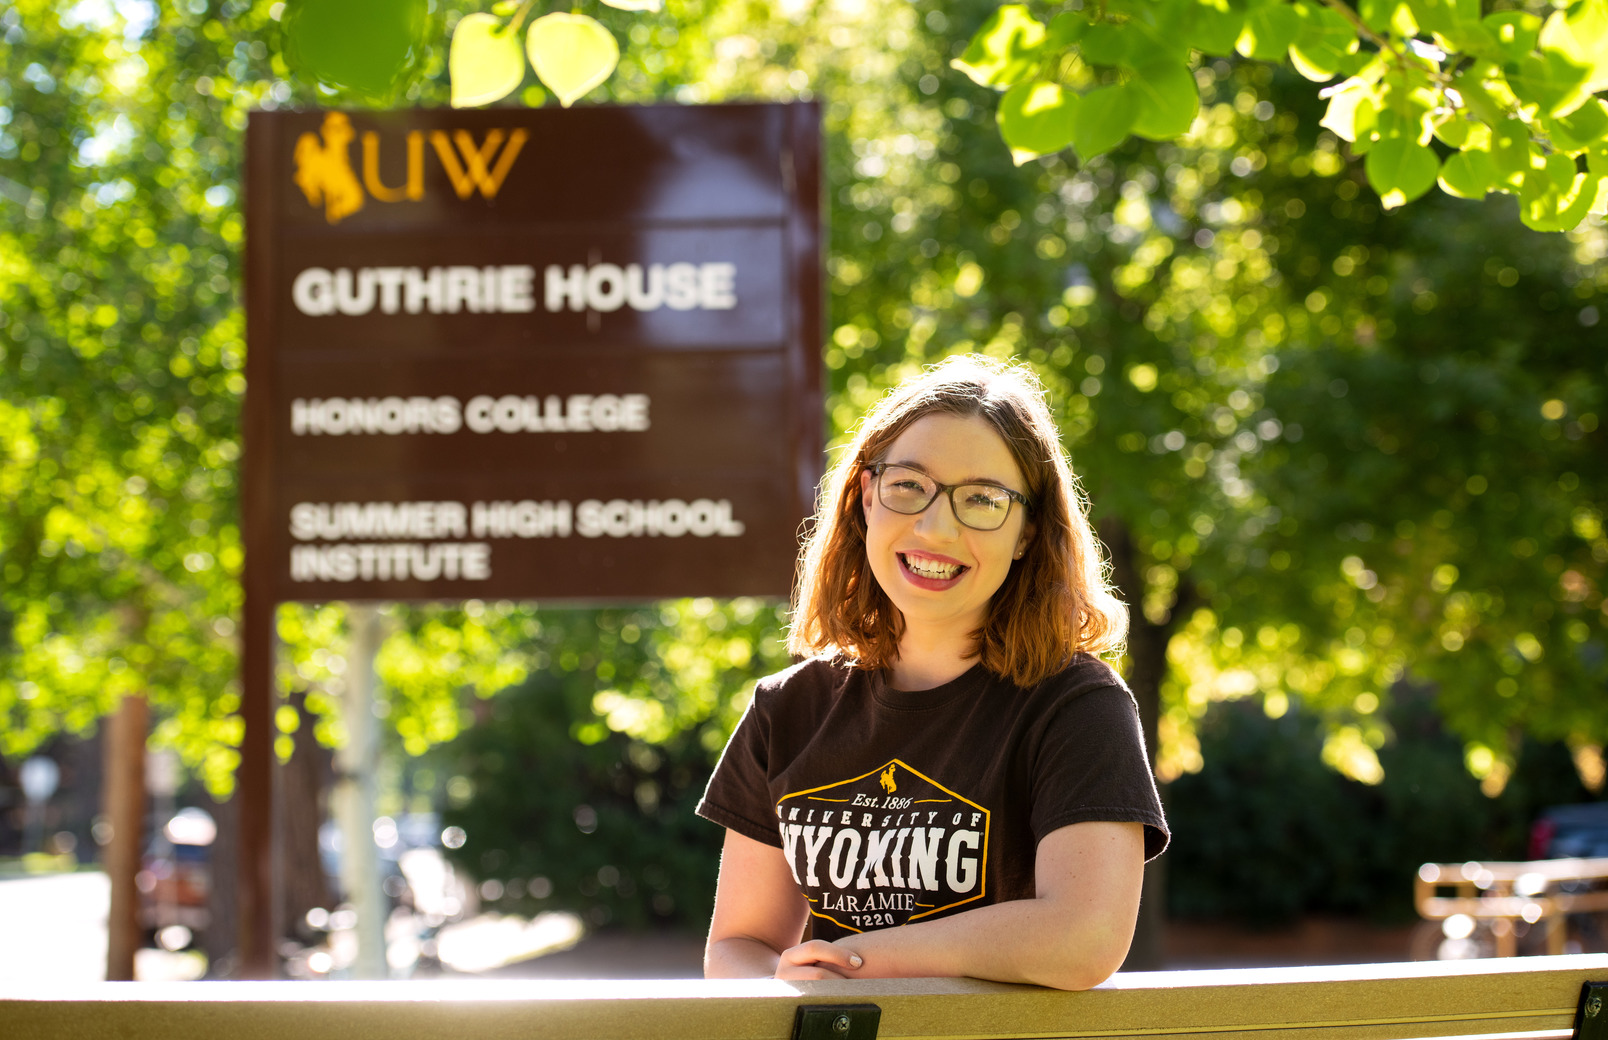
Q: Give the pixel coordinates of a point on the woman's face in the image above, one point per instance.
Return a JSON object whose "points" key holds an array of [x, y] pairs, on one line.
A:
{"points": [[936, 570]]}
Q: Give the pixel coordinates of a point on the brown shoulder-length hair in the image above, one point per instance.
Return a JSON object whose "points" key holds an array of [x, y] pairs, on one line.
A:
{"points": [[1055, 601]]}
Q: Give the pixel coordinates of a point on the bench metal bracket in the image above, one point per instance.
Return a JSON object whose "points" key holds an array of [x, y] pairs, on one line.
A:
{"points": [[1591, 1018], [836, 1022]]}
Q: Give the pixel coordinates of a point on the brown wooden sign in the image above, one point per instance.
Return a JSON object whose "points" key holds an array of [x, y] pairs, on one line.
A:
{"points": [[525, 354], [532, 353]]}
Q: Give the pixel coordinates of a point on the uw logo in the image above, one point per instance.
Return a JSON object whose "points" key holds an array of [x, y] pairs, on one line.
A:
{"points": [[324, 168]]}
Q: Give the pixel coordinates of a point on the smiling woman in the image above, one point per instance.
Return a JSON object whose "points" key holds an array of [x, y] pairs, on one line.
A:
{"points": [[952, 783]]}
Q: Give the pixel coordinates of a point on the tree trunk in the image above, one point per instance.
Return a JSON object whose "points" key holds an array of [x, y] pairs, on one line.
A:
{"points": [[300, 787], [302, 783], [1147, 654], [123, 804], [222, 940]]}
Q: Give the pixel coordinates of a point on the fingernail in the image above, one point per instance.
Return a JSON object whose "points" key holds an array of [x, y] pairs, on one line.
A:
{"points": [[855, 960]]}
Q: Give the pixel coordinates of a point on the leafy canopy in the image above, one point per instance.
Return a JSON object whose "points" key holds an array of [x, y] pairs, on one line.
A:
{"points": [[372, 50], [1429, 91]]}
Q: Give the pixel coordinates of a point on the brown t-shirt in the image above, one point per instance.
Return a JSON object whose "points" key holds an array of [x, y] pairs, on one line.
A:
{"points": [[893, 806]]}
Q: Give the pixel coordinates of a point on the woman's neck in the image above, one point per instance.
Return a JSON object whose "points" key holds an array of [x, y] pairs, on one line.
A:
{"points": [[928, 659]]}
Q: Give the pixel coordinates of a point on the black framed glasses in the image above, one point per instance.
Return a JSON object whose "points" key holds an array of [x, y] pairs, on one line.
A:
{"points": [[983, 507]]}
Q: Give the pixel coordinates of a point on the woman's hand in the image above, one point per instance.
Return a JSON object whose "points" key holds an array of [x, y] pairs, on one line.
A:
{"points": [[817, 959]]}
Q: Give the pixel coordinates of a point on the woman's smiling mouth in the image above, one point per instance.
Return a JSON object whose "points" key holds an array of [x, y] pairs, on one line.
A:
{"points": [[930, 572]]}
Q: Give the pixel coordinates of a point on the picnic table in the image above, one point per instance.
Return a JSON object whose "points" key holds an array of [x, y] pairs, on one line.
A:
{"points": [[1543, 892]]}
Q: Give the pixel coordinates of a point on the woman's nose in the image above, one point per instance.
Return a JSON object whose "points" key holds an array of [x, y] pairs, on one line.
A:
{"points": [[938, 519]]}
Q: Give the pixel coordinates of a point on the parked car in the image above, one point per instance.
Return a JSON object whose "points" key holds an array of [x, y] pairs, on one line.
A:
{"points": [[174, 880], [1570, 832]]}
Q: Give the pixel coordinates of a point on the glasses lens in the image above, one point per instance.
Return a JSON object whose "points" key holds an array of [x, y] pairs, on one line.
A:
{"points": [[982, 506], [905, 490]]}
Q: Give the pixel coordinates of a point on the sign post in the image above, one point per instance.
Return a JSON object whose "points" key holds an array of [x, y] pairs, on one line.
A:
{"points": [[521, 354]]}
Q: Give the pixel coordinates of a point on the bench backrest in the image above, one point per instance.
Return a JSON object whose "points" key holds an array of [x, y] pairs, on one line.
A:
{"points": [[1534, 997]]}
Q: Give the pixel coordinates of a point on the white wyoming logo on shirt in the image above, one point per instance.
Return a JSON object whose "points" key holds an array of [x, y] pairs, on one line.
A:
{"points": [[873, 851]]}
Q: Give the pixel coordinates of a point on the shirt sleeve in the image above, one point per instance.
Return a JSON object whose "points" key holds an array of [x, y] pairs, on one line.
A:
{"points": [[738, 795], [1090, 764]]}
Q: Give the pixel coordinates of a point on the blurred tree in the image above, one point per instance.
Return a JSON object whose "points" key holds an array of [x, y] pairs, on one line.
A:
{"points": [[120, 357], [1417, 469]]}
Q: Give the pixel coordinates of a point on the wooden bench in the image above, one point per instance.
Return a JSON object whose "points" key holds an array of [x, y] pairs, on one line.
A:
{"points": [[1534, 998]]}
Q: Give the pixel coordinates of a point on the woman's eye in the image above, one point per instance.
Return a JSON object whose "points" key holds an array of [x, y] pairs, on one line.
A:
{"points": [[984, 500], [912, 486]]}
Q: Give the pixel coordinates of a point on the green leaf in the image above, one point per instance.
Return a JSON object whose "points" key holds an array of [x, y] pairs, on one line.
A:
{"points": [[1469, 175], [1580, 35], [1444, 16], [1453, 131], [1400, 169], [1066, 29], [1006, 49], [1597, 162], [1379, 15], [571, 54], [1580, 129], [1561, 170], [1212, 26], [1476, 85], [1319, 49], [1269, 31], [1549, 80], [1106, 43], [504, 8], [1036, 119], [1352, 112], [1102, 120], [1153, 32], [1510, 149], [1469, 135], [1472, 39], [1388, 16], [1516, 32], [1168, 101], [1556, 197], [1394, 122], [484, 62], [369, 49]]}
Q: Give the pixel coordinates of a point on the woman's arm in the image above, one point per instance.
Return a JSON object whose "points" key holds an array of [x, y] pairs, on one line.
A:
{"points": [[759, 917], [1072, 935]]}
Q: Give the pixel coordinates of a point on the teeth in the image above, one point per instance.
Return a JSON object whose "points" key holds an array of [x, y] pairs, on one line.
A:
{"points": [[932, 568]]}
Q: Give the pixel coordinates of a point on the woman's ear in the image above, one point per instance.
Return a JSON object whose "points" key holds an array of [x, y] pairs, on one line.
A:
{"points": [[865, 491], [1024, 539]]}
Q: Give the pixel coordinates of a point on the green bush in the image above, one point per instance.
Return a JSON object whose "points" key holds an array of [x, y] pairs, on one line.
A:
{"points": [[576, 789], [605, 830]]}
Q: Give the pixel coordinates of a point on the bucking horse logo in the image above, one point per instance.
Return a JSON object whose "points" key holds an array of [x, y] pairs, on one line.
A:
{"points": [[324, 171]]}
